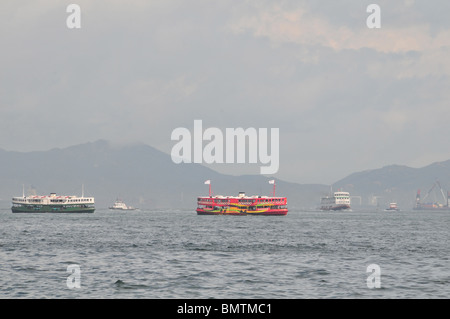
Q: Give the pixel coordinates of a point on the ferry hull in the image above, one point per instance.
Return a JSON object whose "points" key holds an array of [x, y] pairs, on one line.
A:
{"points": [[335, 208], [279, 212], [53, 210]]}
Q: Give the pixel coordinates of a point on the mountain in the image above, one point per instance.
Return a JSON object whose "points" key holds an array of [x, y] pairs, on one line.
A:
{"points": [[139, 174], [396, 183]]}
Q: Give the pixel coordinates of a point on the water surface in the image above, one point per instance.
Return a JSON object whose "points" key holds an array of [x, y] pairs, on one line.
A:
{"points": [[178, 254]]}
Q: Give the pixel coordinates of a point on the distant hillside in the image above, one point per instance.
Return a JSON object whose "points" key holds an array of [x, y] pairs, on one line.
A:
{"points": [[144, 177], [139, 174], [397, 183]]}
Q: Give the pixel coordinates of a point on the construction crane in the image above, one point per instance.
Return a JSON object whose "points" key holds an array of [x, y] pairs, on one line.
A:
{"points": [[431, 189], [446, 199]]}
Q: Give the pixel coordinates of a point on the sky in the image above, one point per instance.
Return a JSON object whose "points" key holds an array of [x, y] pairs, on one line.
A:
{"points": [[345, 97]]}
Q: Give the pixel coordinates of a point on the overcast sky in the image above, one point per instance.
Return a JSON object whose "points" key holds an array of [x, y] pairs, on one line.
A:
{"points": [[345, 97]]}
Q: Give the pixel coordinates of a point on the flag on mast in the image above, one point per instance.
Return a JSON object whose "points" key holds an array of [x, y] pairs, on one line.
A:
{"points": [[208, 182], [272, 181]]}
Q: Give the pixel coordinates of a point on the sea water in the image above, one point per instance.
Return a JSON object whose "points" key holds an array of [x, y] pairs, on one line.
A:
{"points": [[178, 254]]}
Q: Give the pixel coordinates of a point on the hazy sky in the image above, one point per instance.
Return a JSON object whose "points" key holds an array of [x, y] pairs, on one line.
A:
{"points": [[344, 97]]}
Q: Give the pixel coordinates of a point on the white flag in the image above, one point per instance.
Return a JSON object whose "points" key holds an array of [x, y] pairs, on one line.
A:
{"points": [[272, 181], [208, 182]]}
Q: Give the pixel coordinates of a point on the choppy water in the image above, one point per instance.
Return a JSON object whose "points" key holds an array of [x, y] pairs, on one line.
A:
{"points": [[177, 254]]}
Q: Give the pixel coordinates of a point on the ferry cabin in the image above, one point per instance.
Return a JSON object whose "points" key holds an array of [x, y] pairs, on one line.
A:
{"points": [[342, 198]]}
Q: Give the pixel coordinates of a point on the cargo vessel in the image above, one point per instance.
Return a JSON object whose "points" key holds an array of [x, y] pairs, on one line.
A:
{"points": [[337, 201], [53, 204], [241, 204], [434, 205]]}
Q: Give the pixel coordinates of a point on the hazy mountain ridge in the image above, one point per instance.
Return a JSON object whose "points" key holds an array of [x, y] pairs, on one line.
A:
{"points": [[146, 177], [399, 183], [139, 174]]}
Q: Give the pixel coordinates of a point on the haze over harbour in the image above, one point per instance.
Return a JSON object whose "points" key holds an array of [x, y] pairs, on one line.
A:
{"points": [[345, 97]]}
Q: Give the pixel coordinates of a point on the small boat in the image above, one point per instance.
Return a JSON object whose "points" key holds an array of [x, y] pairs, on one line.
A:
{"points": [[120, 205], [393, 207]]}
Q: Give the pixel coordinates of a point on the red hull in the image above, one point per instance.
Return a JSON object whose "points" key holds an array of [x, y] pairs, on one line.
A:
{"points": [[200, 212], [281, 212]]}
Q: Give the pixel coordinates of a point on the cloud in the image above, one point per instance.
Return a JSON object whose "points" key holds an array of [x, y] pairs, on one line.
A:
{"points": [[301, 26], [138, 70]]}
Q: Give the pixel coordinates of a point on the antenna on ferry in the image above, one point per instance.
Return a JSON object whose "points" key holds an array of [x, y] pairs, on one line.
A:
{"points": [[208, 182], [23, 190], [273, 182], [82, 190]]}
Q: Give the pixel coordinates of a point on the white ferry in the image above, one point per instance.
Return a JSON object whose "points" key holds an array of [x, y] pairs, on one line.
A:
{"points": [[339, 201], [120, 205], [52, 204]]}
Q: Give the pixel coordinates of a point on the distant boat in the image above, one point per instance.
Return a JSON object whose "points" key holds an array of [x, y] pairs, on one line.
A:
{"points": [[339, 201], [392, 207], [120, 205]]}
